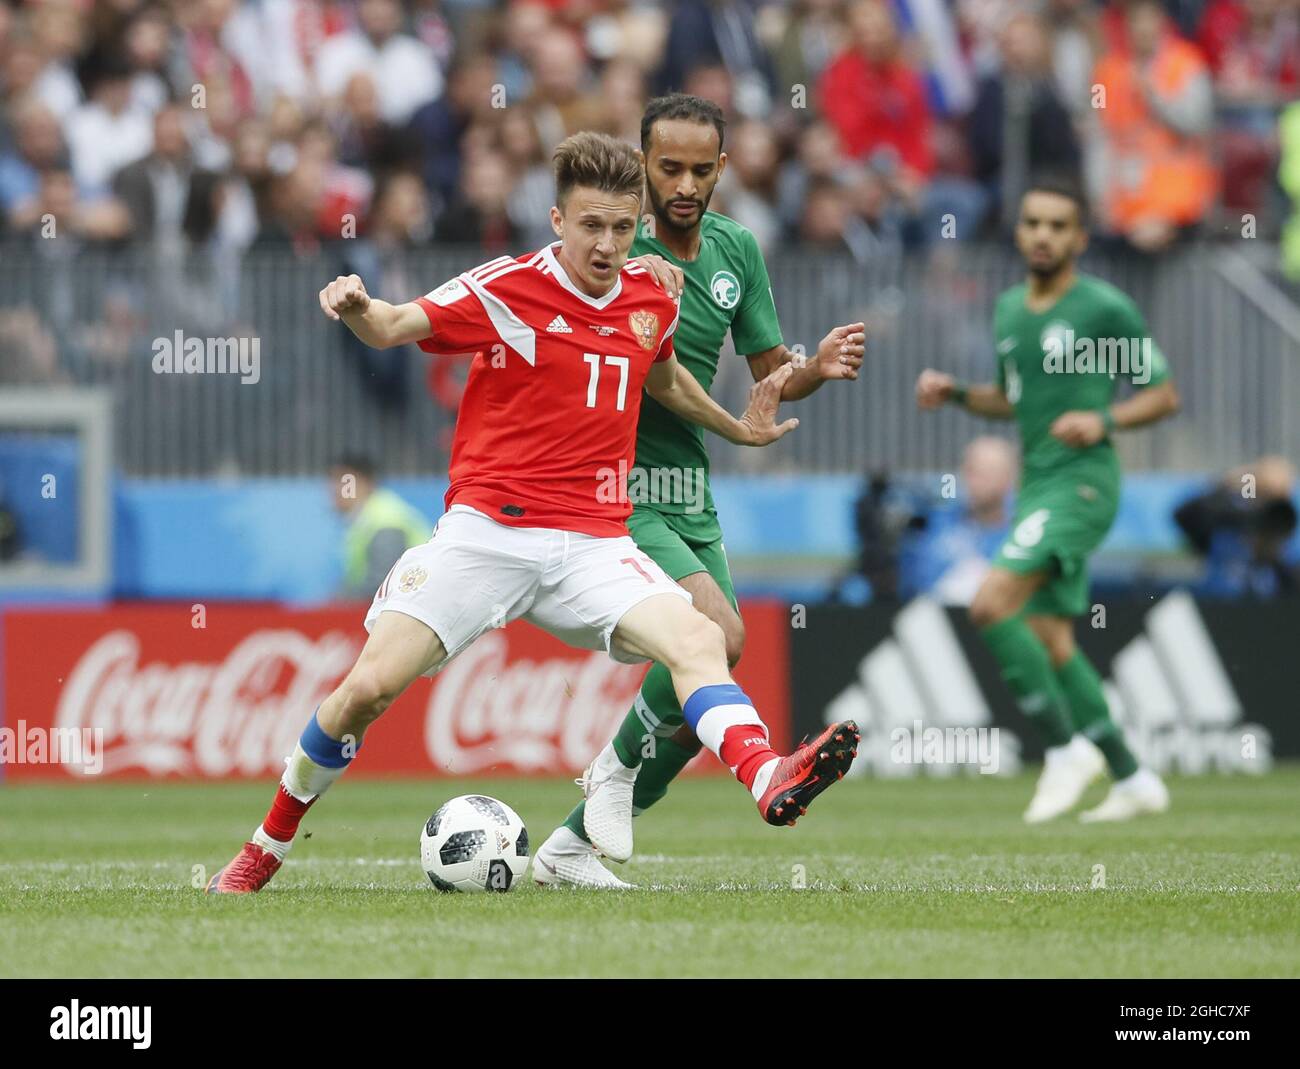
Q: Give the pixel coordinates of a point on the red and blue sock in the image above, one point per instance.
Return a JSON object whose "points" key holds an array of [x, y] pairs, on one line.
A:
{"points": [[725, 720]]}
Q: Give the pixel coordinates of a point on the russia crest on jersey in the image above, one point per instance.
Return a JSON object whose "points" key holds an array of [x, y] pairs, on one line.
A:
{"points": [[645, 327]]}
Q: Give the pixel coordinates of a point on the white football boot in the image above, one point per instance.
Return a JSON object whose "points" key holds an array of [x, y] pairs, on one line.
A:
{"points": [[1142, 792], [1067, 771], [565, 860], [607, 817]]}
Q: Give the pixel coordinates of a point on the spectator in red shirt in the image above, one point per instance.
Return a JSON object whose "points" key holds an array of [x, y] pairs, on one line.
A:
{"points": [[874, 100], [1253, 47]]}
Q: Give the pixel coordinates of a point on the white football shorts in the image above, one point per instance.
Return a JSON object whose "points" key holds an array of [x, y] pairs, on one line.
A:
{"points": [[475, 574]]}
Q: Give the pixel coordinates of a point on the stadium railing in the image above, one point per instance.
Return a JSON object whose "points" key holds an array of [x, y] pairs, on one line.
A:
{"points": [[117, 317]]}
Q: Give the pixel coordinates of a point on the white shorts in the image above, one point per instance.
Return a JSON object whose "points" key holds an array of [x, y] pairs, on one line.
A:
{"points": [[475, 574]]}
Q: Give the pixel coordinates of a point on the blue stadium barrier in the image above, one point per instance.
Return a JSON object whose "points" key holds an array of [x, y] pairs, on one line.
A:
{"points": [[280, 539]]}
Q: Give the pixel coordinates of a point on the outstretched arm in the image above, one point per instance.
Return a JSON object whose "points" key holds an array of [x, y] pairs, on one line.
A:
{"points": [[936, 388], [377, 323], [838, 357], [676, 389]]}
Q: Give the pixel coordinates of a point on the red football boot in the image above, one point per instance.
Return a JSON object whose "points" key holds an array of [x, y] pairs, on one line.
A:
{"points": [[802, 776], [250, 871]]}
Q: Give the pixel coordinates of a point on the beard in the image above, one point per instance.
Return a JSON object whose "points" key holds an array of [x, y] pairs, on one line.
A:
{"points": [[1048, 271], [664, 217]]}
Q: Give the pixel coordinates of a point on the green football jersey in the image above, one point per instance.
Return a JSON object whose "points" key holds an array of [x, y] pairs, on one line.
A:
{"points": [[1069, 358], [727, 289]]}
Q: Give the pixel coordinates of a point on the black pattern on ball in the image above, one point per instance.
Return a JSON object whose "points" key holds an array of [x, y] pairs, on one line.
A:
{"points": [[489, 807], [462, 846], [431, 828], [521, 844]]}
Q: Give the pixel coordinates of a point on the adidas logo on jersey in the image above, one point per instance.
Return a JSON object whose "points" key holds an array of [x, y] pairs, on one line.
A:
{"points": [[559, 326]]}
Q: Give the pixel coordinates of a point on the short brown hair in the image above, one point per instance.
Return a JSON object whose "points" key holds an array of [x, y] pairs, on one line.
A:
{"points": [[597, 161]]}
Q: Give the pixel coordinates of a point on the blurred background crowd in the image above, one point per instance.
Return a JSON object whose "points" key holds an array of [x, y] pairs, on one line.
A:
{"points": [[853, 122], [204, 165]]}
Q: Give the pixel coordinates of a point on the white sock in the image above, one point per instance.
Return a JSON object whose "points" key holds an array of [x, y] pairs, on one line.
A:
{"points": [[304, 779], [762, 778], [276, 847]]}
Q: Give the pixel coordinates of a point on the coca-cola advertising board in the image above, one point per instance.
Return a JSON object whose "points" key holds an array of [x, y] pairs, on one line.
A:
{"points": [[223, 691]]}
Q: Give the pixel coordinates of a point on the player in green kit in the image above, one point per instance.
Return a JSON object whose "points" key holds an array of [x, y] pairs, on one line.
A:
{"points": [[726, 289], [1064, 340]]}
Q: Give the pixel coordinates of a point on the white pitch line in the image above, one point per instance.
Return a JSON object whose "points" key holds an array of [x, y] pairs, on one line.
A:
{"points": [[816, 881]]}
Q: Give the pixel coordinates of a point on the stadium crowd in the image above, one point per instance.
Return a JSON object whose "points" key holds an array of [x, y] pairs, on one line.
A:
{"points": [[857, 126], [853, 123]]}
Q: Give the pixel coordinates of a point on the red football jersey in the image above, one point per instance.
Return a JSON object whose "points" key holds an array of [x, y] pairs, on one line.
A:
{"points": [[547, 425]]}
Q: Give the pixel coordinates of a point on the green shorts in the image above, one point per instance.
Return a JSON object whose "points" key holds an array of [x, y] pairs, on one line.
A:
{"points": [[1056, 529], [683, 544]]}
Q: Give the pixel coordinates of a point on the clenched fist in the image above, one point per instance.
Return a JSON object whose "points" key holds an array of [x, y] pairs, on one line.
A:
{"points": [[933, 389], [840, 353], [347, 293], [1079, 429]]}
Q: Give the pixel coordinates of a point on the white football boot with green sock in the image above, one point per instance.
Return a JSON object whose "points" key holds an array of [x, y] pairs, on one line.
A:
{"points": [[607, 785], [565, 860], [1067, 771], [1143, 792]]}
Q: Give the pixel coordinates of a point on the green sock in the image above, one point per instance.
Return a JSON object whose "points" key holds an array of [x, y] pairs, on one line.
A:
{"points": [[1028, 672], [1091, 715], [657, 771], [656, 704], [574, 821]]}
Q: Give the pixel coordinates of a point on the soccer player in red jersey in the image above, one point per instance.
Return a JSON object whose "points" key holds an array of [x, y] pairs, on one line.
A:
{"points": [[535, 527]]}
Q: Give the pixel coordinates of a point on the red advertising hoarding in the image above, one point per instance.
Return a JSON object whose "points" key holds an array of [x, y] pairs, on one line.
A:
{"points": [[169, 690]]}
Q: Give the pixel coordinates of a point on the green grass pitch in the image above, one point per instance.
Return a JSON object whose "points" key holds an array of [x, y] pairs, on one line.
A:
{"points": [[929, 877]]}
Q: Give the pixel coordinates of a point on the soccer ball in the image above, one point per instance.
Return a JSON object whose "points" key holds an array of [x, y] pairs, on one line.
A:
{"points": [[474, 843]]}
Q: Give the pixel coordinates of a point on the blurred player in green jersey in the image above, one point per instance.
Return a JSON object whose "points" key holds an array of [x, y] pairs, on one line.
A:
{"points": [[726, 289], [1064, 341]]}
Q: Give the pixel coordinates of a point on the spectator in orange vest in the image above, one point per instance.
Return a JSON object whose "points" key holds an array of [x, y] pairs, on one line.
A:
{"points": [[1155, 108]]}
